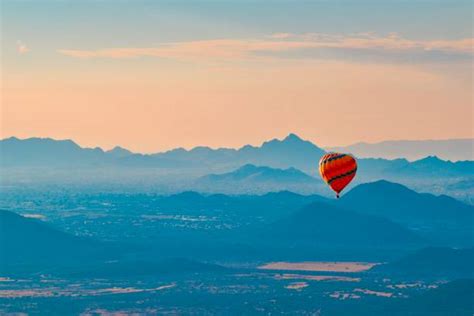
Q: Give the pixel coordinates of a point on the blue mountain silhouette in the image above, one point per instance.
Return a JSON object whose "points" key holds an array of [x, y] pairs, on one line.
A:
{"points": [[433, 262], [28, 242], [449, 149], [251, 179], [47, 152], [290, 152], [322, 224], [441, 218], [119, 152], [398, 202], [261, 174]]}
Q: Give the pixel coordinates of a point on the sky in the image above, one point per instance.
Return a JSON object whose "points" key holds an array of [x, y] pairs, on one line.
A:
{"points": [[155, 75]]}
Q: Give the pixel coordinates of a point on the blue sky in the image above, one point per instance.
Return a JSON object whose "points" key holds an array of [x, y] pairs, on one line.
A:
{"points": [[69, 67], [95, 24]]}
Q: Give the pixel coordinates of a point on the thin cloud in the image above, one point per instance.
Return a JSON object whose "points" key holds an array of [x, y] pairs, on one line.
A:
{"points": [[267, 48], [392, 41], [21, 48], [223, 49], [281, 35]]}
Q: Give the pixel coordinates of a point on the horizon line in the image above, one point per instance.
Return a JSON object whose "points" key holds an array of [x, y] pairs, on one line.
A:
{"points": [[232, 148]]}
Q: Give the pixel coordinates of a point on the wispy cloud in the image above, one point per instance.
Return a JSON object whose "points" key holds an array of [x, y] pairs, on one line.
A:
{"points": [[269, 47], [21, 48], [392, 42], [223, 49]]}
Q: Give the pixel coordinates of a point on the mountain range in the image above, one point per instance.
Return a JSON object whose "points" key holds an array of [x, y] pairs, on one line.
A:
{"points": [[258, 179], [261, 174], [451, 149], [290, 152], [293, 160], [282, 220]]}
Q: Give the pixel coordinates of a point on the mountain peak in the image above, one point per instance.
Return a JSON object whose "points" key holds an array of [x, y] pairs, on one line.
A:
{"points": [[379, 187], [118, 151], [10, 139], [431, 159], [247, 167], [261, 173], [293, 141], [118, 148], [292, 137]]}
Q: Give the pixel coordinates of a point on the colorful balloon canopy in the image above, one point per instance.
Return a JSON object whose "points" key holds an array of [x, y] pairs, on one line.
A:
{"points": [[337, 170]]}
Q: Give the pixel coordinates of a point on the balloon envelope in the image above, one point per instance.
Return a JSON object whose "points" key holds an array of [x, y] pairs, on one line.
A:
{"points": [[337, 170]]}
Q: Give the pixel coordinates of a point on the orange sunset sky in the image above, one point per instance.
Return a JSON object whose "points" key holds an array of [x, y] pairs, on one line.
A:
{"points": [[152, 76]]}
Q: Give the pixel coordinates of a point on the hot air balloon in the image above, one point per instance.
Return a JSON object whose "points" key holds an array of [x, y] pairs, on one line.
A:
{"points": [[337, 170]]}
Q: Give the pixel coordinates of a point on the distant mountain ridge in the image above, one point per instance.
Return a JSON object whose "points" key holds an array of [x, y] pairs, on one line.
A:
{"points": [[258, 179], [126, 168], [119, 152], [260, 174], [438, 167], [291, 151], [47, 151], [451, 149]]}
